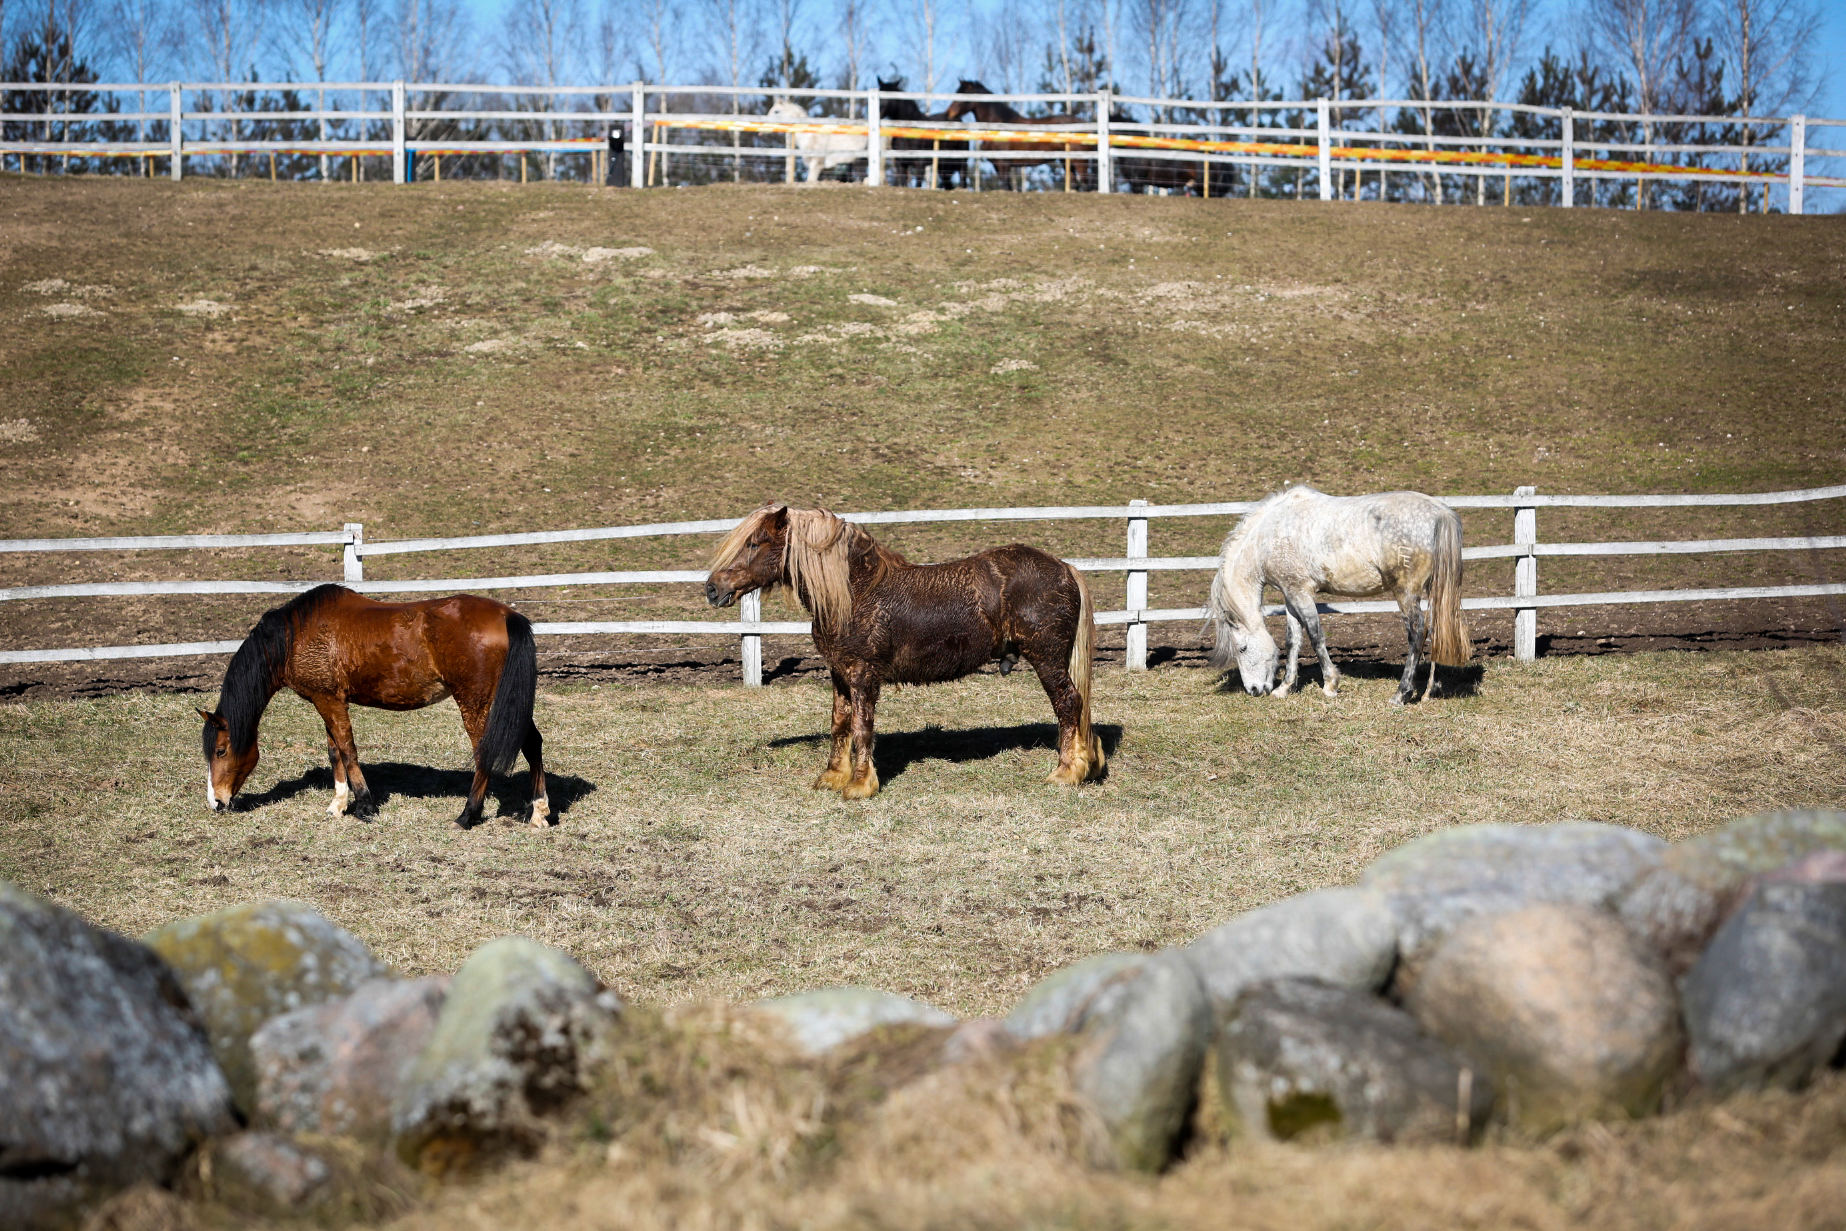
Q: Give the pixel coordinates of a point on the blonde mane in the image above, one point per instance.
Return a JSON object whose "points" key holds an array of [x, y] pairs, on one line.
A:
{"points": [[816, 558]]}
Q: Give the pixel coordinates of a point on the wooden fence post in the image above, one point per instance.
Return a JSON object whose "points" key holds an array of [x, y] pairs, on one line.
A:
{"points": [[874, 140], [355, 552], [398, 132], [1797, 162], [1525, 578], [750, 611], [637, 171], [1323, 117], [1105, 180], [1568, 157], [1136, 657], [176, 136]]}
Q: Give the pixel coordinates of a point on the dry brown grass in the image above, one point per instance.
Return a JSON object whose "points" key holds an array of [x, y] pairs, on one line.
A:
{"points": [[691, 860]]}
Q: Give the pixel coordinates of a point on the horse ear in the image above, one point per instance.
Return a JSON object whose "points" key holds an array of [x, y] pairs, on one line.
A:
{"points": [[211, 719]]}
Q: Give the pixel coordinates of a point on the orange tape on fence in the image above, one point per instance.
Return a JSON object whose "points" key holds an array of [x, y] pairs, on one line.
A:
{"points": [[1276, 149]]}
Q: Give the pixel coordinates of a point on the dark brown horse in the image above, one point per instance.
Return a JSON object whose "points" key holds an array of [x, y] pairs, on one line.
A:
{"points": [[879, 619], [944, 156], [334, 647], [1082, 171]]}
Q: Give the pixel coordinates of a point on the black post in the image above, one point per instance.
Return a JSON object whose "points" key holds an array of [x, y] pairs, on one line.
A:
{"points": [[616, 176]]}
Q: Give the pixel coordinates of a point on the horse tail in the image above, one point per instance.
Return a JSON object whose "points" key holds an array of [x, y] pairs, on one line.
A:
{"points": [[1218, 619], [1448, 637], [511, 715], [1083, 657]]}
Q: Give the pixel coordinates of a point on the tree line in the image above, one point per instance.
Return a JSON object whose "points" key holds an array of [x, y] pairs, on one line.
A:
{"points": [[1724, 59]]}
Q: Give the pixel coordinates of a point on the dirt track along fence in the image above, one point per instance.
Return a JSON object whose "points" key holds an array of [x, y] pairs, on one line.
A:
{"points": [[1524, 600], [640, 134]]}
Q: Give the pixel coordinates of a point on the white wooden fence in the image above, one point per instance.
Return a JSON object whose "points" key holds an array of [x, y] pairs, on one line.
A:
{"points": [[1320, 139], [1524, 601]]}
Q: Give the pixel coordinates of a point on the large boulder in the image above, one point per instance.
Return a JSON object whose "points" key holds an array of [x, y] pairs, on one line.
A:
{"points": [[1766, 1003], [336, 1067], [1445, 880], [106, 1077], [1295, 1055], [817, 1022], [246, 964], [1140, 1026], [1676, 907], [1346, 937], [518, 1036], [1568, 1013]]}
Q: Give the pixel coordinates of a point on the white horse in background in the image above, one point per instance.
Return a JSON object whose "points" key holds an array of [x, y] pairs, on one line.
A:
{"points": [[1306, 543], [820, 151]]}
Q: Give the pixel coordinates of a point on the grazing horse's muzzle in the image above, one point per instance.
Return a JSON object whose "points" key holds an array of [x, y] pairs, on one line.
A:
{"points": [[1256, 690], [718, 597]]}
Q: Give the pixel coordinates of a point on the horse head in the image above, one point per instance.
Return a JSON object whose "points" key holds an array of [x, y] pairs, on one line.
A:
{"points": [[892, 86], [750, 557], [226, 769], [784, 109], [1239, 634]]}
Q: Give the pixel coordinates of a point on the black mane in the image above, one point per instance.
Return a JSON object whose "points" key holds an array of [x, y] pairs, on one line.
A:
{"points": [[256, 669]]}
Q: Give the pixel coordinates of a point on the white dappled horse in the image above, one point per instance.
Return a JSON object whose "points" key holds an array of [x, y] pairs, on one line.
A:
{"points": [[1306, 543], [820, 151]]}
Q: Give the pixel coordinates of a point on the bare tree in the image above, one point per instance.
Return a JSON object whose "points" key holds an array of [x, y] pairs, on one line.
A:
{"points": [[368, 20], [736, 34], [855, 34], [140, 37], [1495, 30], [306, 32], [1647, 38], [542, 41], [1162, 26], [1767, 44], [1423, 28], [926, 28], [1005, 37]]}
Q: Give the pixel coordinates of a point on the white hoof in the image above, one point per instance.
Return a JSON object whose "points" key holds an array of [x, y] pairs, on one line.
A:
{"points": [[337, 807], [541, 813]]}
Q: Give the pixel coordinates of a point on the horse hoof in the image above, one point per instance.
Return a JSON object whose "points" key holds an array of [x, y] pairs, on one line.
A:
{"points": [[1068, 775], [541, 813], [832, 780], [860, 788], [1400, 699]]}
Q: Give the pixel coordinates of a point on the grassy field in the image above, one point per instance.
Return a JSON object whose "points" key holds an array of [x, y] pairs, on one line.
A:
{"points": [[690, 862], [472, 357], [457, 358]]}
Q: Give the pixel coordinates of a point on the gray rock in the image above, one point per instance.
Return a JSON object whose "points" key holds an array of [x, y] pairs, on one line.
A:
{"points": [[1297, 1054], [1058, 1002], [819, 1021], [1141, 1025], [246, 964], [106, 1077], [521, 1030], [1766, 1003], [1568, 1013], [1346, 937], [1678, 906], [1447, 879], [336, 1067], [269, 1174]]}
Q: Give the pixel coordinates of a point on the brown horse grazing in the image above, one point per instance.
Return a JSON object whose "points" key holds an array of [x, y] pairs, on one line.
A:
{"points": [[334, 647], [879, 619]]}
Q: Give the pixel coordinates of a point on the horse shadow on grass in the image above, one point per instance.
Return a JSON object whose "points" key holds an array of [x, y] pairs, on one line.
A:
{"points": [[1462, 681], [508, 795], [896, 751]]}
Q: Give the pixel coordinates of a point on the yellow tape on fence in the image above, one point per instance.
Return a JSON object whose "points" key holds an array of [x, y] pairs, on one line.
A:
{"points": [[1274, 149]]}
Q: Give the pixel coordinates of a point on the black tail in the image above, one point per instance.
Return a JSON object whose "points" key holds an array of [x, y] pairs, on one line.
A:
{"points": [[511, 715]]}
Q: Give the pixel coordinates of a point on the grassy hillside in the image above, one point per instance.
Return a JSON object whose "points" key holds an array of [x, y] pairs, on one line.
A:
{"points": [[459, 357]]}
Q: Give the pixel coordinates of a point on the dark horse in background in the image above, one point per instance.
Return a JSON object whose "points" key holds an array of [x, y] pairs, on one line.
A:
{"points": [[946, 157], [879, 619], [333, 647], [1079, 169]]}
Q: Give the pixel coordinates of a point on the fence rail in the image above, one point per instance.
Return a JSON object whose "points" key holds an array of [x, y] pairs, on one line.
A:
{"points": [[630, 133], [1525, 551]]}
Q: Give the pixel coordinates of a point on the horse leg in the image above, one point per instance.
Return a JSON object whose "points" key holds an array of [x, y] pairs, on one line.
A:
{"points": [[474, 722], [1294, 658], [838, 773], [1074, 760], [349, 790], [1413, 633], [534, 750], [864, 781], [1300, 605]]}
